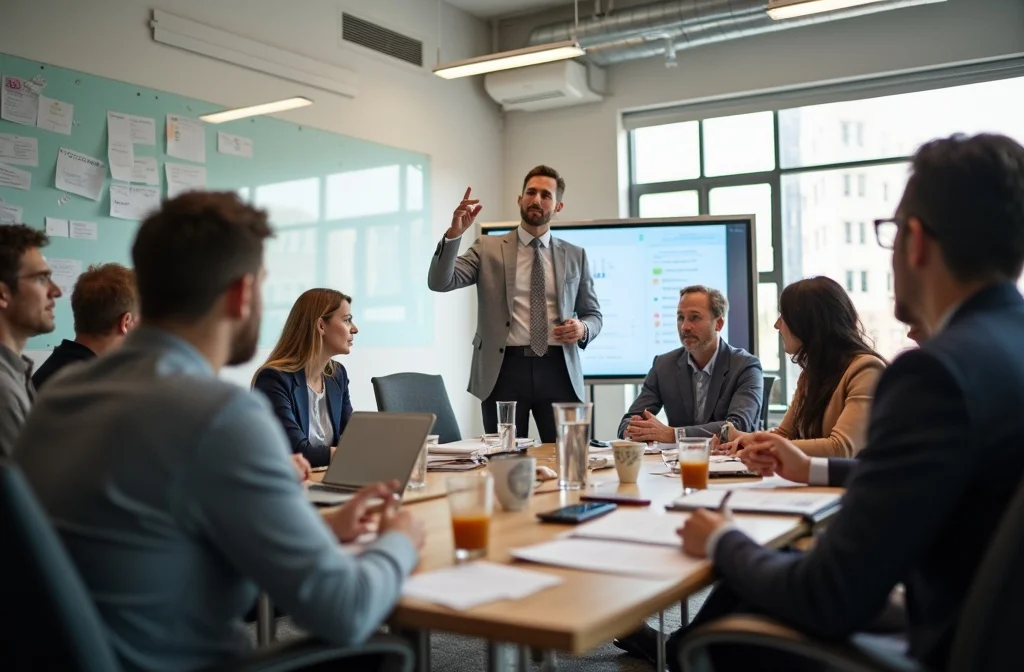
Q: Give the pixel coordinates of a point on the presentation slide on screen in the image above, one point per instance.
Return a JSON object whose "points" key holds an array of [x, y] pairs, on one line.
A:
{"points": [[638, 272]]}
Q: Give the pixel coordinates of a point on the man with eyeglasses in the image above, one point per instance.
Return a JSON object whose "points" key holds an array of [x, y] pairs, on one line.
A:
{"points": [[943, 458], [27, 295]]}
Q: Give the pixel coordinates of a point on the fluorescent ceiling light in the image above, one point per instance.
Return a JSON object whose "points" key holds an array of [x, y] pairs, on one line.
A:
{"points": [[788, 9], [507, 60], [255, 110]]}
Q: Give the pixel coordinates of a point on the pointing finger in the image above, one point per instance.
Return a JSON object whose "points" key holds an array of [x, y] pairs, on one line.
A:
{"points": [[468, 189]]}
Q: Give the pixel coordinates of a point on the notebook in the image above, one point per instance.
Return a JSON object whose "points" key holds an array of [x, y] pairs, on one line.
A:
{"points": [[814, 506]]}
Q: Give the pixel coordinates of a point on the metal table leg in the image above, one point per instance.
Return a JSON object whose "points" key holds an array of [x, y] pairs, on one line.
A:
{"points": [[419, 640], [661, 642], [265, 626]]}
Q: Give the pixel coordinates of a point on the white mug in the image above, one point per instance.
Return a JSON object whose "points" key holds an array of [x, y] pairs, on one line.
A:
{"points": [[513, 479], [629, 455]]}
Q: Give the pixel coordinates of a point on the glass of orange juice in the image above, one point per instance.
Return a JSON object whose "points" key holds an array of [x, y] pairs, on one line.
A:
{"points": [[694, 453], [470, 500]]}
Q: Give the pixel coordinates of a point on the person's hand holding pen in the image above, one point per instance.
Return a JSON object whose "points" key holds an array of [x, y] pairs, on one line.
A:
{"points": [[701, 524]]}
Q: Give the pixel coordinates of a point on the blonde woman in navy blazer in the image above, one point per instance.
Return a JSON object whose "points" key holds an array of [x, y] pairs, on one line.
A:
{"points": [[306, 387]]}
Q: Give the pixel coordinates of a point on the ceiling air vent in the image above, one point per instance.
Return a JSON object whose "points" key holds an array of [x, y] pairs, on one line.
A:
{"points": [[380, 39]]}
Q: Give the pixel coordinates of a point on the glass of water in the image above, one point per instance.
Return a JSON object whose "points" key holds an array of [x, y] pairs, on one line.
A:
{"points": [[573, 421], [507, 425]]}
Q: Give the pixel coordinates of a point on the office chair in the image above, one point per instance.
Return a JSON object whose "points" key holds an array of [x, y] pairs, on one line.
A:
{"points": [[986, 639], [49, 622], [769, 383], [418, 393]]}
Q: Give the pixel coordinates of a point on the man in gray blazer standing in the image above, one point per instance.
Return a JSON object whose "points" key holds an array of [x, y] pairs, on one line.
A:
{"points": [[702, 384], [536, 306]]}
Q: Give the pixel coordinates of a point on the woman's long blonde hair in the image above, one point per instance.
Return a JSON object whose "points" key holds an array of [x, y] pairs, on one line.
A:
{"points": [[301, 342]]}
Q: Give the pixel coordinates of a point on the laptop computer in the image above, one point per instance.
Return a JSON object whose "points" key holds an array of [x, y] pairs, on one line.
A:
{"points": [[375, 447]]}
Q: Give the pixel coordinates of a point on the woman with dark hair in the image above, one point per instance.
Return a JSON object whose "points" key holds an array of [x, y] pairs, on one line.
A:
{"points": [[821, 332]]}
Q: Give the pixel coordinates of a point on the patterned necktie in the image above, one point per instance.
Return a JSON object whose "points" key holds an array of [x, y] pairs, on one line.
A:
{"points": [[538, 304]]}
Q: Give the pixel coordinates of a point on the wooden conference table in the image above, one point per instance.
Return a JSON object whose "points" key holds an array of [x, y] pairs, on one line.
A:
{"points": [[584, 611]]}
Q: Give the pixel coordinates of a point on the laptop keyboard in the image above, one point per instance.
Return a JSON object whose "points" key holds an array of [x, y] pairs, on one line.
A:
{"points": [[327, 488]]}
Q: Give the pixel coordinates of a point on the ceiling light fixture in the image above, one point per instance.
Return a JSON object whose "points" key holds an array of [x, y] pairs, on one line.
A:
{"points": [[789, 9], [517, 58], [256, 110]]}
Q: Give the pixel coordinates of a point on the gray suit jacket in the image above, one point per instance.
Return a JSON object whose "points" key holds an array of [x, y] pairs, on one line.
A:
{"points": [[735, 392], [490, 264]]}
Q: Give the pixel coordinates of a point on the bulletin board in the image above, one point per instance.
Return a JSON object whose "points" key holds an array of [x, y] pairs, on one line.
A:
{"points": [[348, 214]]}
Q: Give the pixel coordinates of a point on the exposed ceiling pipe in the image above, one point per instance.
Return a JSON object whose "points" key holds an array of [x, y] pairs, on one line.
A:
{"points": [[644, 31]]}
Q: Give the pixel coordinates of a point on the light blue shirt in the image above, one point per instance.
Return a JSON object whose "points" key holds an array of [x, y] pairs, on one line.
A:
{"points": [[174, 494], [701, 382]]}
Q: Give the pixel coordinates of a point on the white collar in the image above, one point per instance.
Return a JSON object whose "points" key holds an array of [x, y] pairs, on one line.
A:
{"points": [[525, 238]]}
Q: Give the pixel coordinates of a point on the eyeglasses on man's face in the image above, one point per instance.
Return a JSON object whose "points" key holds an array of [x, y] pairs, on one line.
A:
{"points": [[885, 232]]}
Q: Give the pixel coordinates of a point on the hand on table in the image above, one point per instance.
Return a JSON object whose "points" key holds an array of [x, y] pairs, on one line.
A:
{"points": [[699, 526], [356, 516], [646, 427], [767, 453], [302, 467]]}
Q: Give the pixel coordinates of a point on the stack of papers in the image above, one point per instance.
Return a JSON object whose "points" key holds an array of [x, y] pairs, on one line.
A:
{"points": [[809, 504], [463, 447], [470, 585], [453, 462], [651, 561], [638, 526]]}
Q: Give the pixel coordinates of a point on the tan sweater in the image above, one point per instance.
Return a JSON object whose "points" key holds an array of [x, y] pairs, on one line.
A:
{"points": [[846, 417]]}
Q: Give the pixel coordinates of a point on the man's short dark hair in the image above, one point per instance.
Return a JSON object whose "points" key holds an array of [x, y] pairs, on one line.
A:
{"points": [[102, 295], [547, 171], [191, 250], [968, 193], [15, 240], [719, 304]]}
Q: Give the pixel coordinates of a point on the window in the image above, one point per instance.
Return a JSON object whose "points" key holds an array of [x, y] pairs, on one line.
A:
{"points": [[862, 185], [671, 204], [864, 281], [846, 185], [744, 143], [888, 282], [744, 200], [845, 132], [848, 227], [885, 191], [666, 153], [849, 281], [863, 233], [860, 133]]}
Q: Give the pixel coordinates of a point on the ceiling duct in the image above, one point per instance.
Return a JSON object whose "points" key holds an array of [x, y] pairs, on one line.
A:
{"points": [[645, 30]]}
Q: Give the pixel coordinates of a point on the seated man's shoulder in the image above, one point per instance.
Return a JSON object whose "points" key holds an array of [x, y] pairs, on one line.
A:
{"points": [[741, 355]]}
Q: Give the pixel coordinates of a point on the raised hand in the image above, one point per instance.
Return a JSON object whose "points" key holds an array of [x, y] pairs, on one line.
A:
{"points": [[464, 215]]}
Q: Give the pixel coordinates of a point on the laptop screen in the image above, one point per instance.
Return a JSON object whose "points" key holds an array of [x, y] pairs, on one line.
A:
{"points": [[378, 447]]}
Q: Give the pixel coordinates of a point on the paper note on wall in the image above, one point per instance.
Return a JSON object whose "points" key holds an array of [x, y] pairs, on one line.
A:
{"points": [[12, 177], [119, 146], [132, 202], [143, 129], [57, 227], [145, 170], [10, 214], [55, 115], [18, 102], [186, 138], [83, 230], [234, 144], [182, 178], [19, 150], [80, 174], [65, 273]]}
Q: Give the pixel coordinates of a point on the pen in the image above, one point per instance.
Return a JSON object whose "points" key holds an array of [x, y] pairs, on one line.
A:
{"points": [[723, 508]]}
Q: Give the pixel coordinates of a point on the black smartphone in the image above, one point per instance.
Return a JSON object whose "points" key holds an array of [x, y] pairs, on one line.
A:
{"points": [[577, 513], [627, 500], [600, 444]]}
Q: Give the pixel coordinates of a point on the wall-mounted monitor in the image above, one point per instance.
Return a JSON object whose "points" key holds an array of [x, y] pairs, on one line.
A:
{"points": [[639, 266]]}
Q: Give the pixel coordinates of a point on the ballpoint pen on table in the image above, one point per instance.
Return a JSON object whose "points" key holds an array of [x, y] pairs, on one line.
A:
{"points": [[723, 507]]}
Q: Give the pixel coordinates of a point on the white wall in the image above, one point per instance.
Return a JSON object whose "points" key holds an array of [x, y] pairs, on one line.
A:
{"points": [[586, 143], [453, 122]]}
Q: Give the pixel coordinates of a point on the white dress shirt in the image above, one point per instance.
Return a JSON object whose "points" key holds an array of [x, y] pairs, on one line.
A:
{"points": [[701, 383], [520, 332], [321, 429]]}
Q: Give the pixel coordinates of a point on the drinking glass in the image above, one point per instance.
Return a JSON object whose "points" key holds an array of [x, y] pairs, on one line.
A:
{"points": [[694, 456], [418, 478], [573, 422], [507, 425], [471, 501]]}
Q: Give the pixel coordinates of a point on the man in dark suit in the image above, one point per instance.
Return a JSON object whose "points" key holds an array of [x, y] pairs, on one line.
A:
{"points": [[702, 384], [943, 457]]}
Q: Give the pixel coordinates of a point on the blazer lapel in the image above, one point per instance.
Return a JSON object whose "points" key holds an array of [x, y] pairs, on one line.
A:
{"points": [[509, 250], [685, 379], [722, 359], [558, 258], [301, 398], [333, 404]]}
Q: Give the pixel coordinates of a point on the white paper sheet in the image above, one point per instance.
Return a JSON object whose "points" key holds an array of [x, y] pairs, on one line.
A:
{"points": [[119, 146], [18, 102], [186, 138], [80, 174], [182, 178], [235, 145], [145, 171], [761, 501], [65, 273], [463, 447], [611, 557], [143, 129], [12, 177], [58, 228], [638, 526], [19, 150], [83, 230], [10, 214], [472, 584], [133, 202], [55, 115]]}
